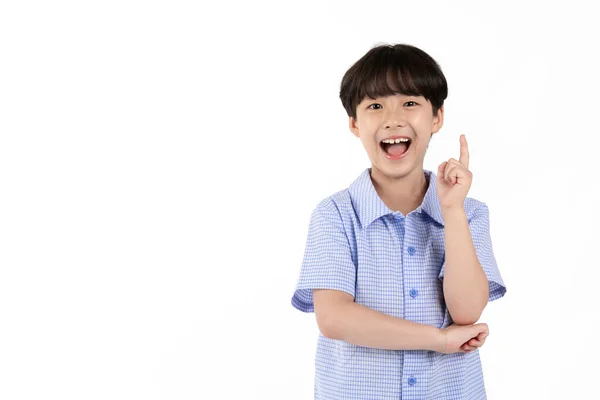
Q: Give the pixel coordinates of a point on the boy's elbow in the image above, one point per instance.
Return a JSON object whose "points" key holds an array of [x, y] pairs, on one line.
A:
{"points": [[466, 316], [328, 330], [328, 327], [330, 324], [468, 312], [465, 319], [328, 310]]}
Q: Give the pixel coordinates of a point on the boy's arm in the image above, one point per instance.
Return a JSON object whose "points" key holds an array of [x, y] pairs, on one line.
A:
{"points": [[466, 287], [340, 318]]}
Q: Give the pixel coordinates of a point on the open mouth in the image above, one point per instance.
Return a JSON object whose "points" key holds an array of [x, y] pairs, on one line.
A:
{"points": [[395, 148]]}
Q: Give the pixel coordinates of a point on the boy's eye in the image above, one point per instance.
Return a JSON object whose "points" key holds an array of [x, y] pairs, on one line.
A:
{"points": [[377, 104]]}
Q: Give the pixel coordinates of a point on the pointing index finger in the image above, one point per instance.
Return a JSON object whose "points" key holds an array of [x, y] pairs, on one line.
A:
{"points": [[464, 152]]}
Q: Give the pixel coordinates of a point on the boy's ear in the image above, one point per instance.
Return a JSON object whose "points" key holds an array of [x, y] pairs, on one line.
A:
{"points": [[438, 121], [354, 127]]}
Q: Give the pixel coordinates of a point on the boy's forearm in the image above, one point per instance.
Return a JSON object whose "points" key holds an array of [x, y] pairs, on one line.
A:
{"points": [[466, 288], [363, 326]]}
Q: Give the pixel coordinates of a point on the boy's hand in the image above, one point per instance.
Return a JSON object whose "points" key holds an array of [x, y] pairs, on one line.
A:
{"points": [[474, 343], [459, 338], [454, 179]]}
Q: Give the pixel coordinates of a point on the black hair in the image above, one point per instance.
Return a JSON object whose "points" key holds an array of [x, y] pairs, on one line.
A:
{"points": [[393, 69]]}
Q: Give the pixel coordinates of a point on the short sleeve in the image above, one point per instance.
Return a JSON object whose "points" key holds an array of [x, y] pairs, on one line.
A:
{"points": [[479, 225], [327, 261]]}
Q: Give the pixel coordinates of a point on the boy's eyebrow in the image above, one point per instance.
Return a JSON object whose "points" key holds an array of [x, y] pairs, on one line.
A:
{"points": [[367, 98]]}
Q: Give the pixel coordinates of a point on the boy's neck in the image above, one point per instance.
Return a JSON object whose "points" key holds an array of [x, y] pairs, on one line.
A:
{"points": [[404, 193]]}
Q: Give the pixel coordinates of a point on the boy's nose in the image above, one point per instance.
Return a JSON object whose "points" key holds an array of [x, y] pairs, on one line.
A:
{"points": [[395, 120], [395, 124]]}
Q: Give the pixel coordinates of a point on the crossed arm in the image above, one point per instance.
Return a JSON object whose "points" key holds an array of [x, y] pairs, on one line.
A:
{"points": [[466, 293]]}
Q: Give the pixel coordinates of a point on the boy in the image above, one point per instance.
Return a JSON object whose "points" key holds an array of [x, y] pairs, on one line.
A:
{"points": [[399, 266]]}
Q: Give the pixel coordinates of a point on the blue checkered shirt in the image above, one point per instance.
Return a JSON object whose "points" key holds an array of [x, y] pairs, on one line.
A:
{"points": [[393, 264]]}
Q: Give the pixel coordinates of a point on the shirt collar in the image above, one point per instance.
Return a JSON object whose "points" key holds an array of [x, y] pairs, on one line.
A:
{"points": [[370, 206]]}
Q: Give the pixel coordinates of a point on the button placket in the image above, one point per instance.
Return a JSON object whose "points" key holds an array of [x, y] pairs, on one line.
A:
{"points": [[411, 310]]}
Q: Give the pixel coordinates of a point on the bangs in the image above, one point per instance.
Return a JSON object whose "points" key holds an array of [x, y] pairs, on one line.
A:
{"points": [[389, 77]]}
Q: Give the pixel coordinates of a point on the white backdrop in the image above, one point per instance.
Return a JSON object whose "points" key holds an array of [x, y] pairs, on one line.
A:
{"points": [[159, 162]]}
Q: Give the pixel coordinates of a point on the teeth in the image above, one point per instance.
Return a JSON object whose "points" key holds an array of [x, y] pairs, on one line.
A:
{"points": [[392, 141]]}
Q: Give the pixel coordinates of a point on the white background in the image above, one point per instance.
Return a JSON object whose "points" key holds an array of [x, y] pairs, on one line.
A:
{"points": [[159, 162]]}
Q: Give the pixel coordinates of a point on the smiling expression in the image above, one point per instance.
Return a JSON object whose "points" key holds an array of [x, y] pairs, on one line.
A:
{"points": [[395, 115]]}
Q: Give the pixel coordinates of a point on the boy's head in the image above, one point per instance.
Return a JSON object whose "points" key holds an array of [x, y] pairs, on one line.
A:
{"points": [[394, 90]]}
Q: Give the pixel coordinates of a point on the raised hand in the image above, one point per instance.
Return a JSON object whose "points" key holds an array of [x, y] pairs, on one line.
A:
{"points": [[454, 179]]}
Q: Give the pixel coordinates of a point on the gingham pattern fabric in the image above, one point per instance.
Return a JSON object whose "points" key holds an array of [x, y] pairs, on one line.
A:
{"points": [[393, 264]]}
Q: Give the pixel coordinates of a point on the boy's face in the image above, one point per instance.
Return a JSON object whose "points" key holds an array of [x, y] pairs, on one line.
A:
{"points": [[396, 115]]}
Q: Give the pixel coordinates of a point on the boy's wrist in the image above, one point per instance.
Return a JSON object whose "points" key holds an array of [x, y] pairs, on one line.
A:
{"points": [[438, 340], [452, 212]]}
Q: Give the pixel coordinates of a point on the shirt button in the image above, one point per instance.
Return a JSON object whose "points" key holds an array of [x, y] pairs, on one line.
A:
{"points": [[412, 381], [413, 293], [411, 250]]}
